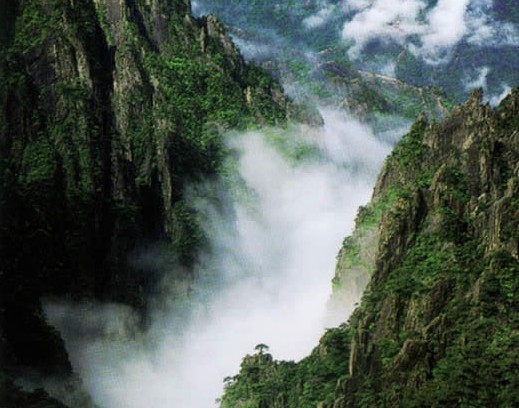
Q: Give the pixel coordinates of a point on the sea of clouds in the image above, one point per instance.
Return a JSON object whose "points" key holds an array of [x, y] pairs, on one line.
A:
{"points": [[428, 32]]}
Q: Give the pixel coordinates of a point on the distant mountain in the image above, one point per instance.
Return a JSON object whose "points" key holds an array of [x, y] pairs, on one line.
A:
{"points": [[454, 46]]}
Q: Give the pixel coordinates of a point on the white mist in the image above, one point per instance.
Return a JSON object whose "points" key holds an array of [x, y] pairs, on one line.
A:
{"points": [[266, 281]]}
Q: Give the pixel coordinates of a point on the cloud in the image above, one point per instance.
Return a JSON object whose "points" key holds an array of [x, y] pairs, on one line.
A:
{"points": [[480, 81], [445, 27], [263, 48], [197, 9], [491, 94], [494, 100], [381, 19], [320, 18], [430, 33], [486, 33]]}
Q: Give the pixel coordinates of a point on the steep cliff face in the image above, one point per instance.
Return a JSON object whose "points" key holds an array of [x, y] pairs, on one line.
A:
{"points": [[438, 324], [107, 109]]}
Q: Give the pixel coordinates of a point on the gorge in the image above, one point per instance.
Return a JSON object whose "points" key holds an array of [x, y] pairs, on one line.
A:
{"points": [[264, 279], [165, 206]]}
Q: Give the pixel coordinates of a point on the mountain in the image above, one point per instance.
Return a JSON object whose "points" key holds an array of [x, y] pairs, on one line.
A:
{"points": [[107, 109], [438, 323], [439, 49], [312, 62]]}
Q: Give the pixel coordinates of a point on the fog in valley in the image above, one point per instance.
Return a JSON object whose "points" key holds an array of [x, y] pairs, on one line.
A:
{"points": [[265, 277]]}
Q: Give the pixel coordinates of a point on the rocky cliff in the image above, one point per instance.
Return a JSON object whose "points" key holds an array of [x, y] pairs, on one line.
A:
{"points": [[107, 109], [438, 324]]}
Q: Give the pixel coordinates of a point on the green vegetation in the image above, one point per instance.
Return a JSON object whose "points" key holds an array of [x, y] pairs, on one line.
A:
{"points": [[291, 145], [355, 261], [165, 128], [328, 75], [263, 382], [13, 396]]}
